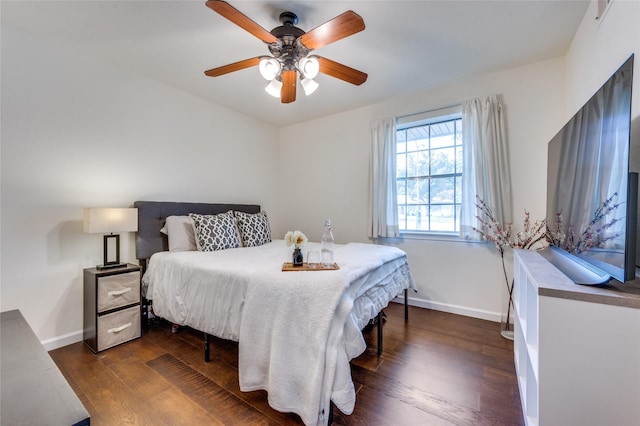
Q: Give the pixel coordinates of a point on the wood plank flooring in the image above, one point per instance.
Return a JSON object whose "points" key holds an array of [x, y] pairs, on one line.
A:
{"points": [[436, 369]]}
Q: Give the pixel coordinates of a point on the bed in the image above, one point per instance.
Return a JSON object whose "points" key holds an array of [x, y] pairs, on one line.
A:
{"points": [[296, 331]]}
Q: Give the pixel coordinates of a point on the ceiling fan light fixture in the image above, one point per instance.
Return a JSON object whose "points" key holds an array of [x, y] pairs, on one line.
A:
{"points": [[309, 67], [309, 85], [290, 60], [274, 88], [269, 68]]}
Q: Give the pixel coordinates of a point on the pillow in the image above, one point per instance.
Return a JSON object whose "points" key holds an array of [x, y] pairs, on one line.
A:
{"points": [[215, 232], [180, 233], [254, 228]]}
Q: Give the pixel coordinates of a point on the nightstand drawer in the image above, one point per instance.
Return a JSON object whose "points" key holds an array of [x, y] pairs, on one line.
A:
{"points": [[119, 290], [118, 327]]}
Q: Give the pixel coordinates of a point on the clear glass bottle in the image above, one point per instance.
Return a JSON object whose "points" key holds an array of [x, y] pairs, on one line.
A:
{"points": [[326, 244]]}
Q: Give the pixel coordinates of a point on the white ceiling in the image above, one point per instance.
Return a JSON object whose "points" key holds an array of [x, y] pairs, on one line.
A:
{"points": [[407, 46]]}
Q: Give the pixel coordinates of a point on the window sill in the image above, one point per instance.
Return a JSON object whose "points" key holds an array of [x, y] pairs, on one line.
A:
{"points": [[435, 236]]}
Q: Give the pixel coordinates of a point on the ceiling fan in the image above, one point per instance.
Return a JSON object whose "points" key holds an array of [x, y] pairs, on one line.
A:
{"points": [[290, 48]]}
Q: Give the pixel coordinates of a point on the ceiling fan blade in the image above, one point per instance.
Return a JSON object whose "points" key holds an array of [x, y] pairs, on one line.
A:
{"points": [[234, 15], [336, 29], [343, 72], [288, 91], [236, 66]]}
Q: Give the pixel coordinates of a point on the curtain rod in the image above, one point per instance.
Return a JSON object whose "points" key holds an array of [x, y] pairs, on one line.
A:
{"points": [[429, 110]]}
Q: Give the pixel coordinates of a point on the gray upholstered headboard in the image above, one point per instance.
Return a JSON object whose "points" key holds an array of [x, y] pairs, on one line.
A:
{"points": [[152, 214]]}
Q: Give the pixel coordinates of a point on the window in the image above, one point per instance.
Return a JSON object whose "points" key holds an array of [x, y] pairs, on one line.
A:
{"points": [[429, 174]]}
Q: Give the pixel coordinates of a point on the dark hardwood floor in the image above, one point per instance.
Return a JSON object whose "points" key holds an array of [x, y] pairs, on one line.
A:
{"points": [[437, 369]]}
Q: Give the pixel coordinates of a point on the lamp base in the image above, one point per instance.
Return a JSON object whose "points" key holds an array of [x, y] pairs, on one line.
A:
{"points": [[110, 266]]}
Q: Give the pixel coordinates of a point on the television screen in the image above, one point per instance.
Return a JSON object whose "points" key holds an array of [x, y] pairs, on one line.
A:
{"points": [[591, 196]]}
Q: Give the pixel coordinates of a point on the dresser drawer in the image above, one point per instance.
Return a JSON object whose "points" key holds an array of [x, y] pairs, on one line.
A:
{"points": [[119, 290], [118, 327]]}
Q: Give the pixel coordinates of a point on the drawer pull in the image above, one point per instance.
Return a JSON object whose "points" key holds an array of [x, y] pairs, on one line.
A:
{"points": [[119, 329], [119, 292]]}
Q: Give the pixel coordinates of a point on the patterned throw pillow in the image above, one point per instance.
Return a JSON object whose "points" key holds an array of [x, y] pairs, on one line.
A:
{"points": [[215, 232], [254, 228]]}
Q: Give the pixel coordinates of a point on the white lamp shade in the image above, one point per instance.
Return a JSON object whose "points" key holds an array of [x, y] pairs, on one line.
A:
{"points": [[110, 220], [274, 88], [269, 68], [309, 86], [309, 67]]}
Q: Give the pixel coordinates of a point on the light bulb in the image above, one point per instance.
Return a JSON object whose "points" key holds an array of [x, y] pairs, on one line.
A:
{"points": [[309, 67], [274, 88], [309, 86], [269, 68]]}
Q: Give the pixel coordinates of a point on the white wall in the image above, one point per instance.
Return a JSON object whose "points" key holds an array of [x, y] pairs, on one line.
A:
{"points": [[80, 133], [599, 48], [328, 160]]}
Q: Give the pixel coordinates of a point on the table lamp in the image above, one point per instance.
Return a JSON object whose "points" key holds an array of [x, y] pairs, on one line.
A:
{"points": [[110, 221]]}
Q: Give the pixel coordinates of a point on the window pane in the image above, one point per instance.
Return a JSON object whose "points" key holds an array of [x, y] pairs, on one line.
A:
{"points": [[442, 190], [414, 133], [401, 139], [402, 220], [401, 188], [401, 165], [443, 141], [417, 163], [401, 136], [417, 218], [411, 192], [412, 161], [423, 190], [443, 218], [443, 161]]}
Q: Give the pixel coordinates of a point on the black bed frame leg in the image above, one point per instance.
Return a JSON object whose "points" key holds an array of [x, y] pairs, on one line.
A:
{"points": [[330, 419], [406, 305], [207, 349], [380, 321]]}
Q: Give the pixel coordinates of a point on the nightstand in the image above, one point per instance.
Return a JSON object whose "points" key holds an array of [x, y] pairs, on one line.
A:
{"points": [[112, 309]]}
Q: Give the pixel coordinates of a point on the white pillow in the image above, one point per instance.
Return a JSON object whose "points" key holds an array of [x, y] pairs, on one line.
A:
{"points": [[180, 233]]}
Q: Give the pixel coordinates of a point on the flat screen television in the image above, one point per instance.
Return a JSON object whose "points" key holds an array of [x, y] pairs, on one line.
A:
{"points": [[592, 197]]}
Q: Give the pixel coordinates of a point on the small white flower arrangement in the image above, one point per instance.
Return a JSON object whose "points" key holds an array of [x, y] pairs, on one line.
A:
{"points": [[297, 238]]}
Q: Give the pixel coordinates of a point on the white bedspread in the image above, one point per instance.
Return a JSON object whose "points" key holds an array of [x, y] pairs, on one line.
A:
{"points": [[297, 331]]}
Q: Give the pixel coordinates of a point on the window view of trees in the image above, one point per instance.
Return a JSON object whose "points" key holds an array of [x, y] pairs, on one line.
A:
{"points": [[429, 175]]}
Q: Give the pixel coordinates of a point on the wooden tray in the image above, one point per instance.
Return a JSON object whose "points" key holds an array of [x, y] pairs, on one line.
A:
{"points": [[288, 267]]}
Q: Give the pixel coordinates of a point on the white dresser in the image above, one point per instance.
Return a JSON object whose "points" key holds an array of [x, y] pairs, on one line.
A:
{"points": [[577, 348]]}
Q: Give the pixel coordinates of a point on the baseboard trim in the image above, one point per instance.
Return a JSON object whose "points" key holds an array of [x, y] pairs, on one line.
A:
{"points": [[70, 338], [452, 309], [60, 341]]}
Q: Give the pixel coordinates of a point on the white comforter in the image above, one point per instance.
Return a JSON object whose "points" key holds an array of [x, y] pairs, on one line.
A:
{"points": [[297, 331]]}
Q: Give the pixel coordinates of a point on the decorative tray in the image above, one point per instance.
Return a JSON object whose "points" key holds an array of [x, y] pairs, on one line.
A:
{"points": [[288, 267]]}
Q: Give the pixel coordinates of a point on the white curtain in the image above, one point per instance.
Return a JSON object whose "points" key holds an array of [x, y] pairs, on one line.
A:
{"points": [[485, 165], [383, 217]]}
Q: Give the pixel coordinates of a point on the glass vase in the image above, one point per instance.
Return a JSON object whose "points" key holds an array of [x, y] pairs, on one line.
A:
{"points": [[506, 320], [297, 258]]}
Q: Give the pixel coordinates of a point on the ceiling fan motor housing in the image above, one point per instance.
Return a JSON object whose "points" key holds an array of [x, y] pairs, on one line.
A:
{"points": [[288, 18], [288, 50]]}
